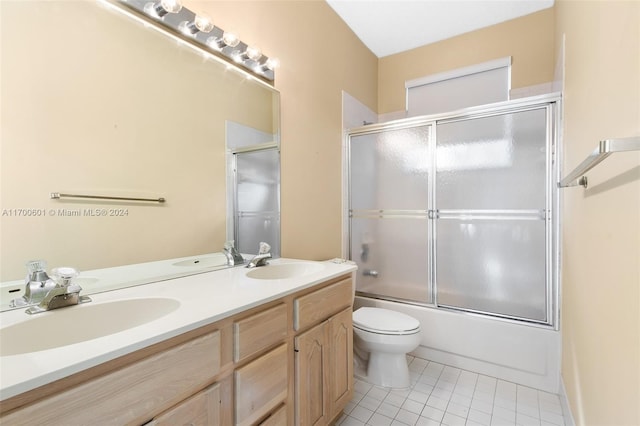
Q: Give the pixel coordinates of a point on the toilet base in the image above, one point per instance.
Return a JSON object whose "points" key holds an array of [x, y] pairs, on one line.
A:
{"points": [[388, 370], [395, 373]]}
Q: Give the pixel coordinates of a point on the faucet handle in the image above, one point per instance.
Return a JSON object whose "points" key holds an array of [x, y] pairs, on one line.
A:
{"points": [[34, 266], [36, 271], [264, 248], [63, 275]]}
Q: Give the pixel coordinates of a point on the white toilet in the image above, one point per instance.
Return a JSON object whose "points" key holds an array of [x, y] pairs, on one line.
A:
{"points": [[381, 340]]}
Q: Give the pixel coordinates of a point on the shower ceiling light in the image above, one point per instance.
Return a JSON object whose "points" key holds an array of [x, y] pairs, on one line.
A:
{"points": [[198, 31]]}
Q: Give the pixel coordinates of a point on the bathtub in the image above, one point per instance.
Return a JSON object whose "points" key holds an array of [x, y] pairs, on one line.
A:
{"points": [[517, 352]]}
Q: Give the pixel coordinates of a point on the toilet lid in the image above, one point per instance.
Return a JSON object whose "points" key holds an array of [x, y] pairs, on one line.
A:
{"points": [[384, 321]]}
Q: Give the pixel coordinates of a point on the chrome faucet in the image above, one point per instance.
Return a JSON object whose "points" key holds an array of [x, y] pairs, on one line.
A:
{"points": [[37, 284], [264, 253], [64, 293], [233, 257]]}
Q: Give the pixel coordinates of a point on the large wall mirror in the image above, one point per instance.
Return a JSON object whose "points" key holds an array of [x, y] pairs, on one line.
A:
{"points": [[96, 103]]}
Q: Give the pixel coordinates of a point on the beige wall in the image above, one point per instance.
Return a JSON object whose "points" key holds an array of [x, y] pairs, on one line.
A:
{"points": [[320, 57], [601, 226], [529, 40]]}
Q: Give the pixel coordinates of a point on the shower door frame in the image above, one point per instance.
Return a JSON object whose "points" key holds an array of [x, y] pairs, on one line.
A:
{"points": [[552, 104]]}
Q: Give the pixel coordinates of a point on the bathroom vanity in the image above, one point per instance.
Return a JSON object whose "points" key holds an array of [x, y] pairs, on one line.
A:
{"points": [[269, 346]]}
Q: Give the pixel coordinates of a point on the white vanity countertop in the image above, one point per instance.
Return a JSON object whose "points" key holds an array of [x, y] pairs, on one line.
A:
{"points": [[204, 298]]}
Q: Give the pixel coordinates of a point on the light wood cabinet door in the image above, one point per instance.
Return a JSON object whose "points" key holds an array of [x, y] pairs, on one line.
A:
{"points": [[311, 375], [202, 409], [340, 361]]}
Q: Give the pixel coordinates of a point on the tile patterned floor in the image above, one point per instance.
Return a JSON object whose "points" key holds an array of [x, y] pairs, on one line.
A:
{"points": [[443, 395]]}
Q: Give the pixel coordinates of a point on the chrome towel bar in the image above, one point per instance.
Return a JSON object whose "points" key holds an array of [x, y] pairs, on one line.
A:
{"points": [[58, 195], [605, 148]]}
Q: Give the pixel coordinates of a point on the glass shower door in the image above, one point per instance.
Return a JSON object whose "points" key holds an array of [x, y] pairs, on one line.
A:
{"points": [[389, 181], [491, 221]]}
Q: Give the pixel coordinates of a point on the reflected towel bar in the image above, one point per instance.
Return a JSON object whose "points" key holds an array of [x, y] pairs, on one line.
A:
{"points": [[58, 195], [604, 149]]}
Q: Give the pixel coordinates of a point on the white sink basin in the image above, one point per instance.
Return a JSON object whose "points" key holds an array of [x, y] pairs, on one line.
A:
{"points": [[203, 262], [285, 270], [74, 324]]}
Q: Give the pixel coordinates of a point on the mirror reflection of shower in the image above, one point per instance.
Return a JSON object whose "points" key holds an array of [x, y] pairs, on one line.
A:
{"points": [[253, 189]]}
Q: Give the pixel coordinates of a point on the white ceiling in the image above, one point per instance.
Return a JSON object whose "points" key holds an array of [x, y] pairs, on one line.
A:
{"points": [[392, 26]]}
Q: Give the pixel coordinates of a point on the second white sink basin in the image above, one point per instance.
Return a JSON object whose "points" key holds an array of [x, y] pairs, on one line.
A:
{"points": [[74, 324], [285, 270]]}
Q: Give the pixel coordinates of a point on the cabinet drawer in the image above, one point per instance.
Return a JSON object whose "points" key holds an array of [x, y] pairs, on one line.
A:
{"points": [[319, 305], [132, 393], [202, 409], [261, 385], [259, 331]]}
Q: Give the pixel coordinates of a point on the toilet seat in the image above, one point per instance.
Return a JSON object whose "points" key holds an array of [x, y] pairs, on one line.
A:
{"points": [[385, 321]]}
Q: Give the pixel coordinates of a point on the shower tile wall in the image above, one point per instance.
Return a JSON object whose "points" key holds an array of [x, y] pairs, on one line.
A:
{"points": [[444, 395]]}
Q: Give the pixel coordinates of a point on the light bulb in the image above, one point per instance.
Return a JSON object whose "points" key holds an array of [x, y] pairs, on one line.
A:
{"points": [[162, 7], [230, 39], [200, 23], [171, 6], [219, 43], [271, 64], [253, 53], [203, 23]]}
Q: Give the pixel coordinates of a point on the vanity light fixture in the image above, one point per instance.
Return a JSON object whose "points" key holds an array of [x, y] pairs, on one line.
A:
{"points": [[201, 23], [162, 7], [198, 32]]}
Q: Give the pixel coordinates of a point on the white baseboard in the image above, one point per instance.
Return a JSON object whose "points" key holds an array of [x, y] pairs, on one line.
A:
{"points": [[566, 409]]}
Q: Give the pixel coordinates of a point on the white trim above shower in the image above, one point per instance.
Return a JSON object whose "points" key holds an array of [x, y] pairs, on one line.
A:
{"points": [[478, 84], [459, 72]]}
